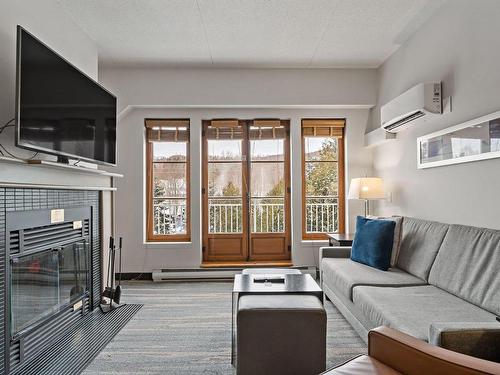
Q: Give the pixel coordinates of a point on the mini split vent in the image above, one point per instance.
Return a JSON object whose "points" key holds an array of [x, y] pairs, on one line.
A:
{"points": [[404, 120], [46, 236], [421, 101]]}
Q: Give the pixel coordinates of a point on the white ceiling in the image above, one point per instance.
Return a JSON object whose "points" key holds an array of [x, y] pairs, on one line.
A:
{"points": [[249, 33]]}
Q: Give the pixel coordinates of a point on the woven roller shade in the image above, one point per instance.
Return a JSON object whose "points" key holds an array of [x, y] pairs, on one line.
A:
{"points": [[267, 129], [163, 130], [225, 123], [234, 129], [224, 129], [323, 128], [273, 133], [267, 123]]}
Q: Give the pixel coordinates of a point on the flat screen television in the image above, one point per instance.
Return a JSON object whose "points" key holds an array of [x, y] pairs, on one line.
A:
{"points": [[59, 109]]}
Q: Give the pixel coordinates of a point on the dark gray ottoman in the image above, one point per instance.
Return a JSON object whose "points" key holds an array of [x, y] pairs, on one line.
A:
{"points": [[280, 334]]}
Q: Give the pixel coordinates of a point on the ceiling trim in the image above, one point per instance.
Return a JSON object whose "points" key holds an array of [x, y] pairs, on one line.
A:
{"points": [[130, 108]]}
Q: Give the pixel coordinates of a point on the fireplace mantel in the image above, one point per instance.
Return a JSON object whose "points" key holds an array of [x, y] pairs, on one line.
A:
{"points": [[51, 175], [19, 174]]}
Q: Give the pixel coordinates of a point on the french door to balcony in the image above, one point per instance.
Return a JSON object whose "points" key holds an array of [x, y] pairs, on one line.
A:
{"points": [[246, 190]]}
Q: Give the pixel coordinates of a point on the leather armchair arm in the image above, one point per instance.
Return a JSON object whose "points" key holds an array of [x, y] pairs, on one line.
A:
{"points": [[412, 356], [480, 340]]}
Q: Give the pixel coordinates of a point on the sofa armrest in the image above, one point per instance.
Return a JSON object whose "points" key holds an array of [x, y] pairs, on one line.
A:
{"points": [[331, 252], [334, 252], [480, 340], [412, 356]]}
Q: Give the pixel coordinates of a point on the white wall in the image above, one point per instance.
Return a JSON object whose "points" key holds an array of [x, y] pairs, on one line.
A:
{"points": [[130, 216], [459, 45], [50, 23], [160, 93], [241, 87]]}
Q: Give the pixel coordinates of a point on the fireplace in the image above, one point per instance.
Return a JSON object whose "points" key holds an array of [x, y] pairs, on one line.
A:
{"points": [[52, 263], [47, 281]]}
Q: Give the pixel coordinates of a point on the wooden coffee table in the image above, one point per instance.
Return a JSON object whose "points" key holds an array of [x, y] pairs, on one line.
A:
{"points": [[244, 284]]}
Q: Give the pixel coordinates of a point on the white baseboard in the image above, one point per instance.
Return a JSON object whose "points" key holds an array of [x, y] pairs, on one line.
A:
{"points": [[216, 273]]}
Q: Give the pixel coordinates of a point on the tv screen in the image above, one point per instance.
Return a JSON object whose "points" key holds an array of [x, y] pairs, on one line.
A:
{"points": [[60, 110]]}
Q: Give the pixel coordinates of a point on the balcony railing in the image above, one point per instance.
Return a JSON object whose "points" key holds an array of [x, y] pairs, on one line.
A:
{"points": [[170, 217], [267, 217], [322, 216], [223, 218]]}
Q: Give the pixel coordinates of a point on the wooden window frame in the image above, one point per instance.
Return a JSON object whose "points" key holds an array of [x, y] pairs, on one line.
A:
{"points": [[339, 124], [150, 236], [246, 254]]}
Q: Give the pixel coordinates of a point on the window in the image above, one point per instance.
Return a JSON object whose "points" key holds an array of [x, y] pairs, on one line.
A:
{"points": [[322, 178], [167, 185], [246, 195]]}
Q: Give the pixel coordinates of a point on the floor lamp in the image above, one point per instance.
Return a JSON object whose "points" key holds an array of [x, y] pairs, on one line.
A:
{"points": [[367, 189]]}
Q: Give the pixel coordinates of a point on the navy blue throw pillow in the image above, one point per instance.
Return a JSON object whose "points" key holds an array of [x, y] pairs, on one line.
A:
{"points": [[373, 242]]}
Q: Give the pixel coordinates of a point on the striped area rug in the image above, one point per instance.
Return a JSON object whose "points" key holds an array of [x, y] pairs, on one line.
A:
{"points": [[185, 328]]}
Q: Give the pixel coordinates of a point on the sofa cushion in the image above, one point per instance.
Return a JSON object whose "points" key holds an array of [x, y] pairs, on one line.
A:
{"points": [[342, 275], [413, 309], [468, 265], [420, 242], [373, 242]]}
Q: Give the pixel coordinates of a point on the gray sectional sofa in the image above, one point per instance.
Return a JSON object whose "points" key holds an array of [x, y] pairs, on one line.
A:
{"points": [[444, 287]]}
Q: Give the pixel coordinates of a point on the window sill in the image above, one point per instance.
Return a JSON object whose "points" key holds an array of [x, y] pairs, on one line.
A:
{"points": [[168, 246]]}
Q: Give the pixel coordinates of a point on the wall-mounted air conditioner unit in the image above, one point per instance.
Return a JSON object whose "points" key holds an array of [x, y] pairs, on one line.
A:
{"points": [[420, 101]]}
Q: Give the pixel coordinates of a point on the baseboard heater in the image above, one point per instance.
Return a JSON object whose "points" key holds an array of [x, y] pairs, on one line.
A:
{"points": [[216, 273]]}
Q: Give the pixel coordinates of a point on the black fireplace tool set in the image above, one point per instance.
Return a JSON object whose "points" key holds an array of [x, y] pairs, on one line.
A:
{"points": [[112, 293]]}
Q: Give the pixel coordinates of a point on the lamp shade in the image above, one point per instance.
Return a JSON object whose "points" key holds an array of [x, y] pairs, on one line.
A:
{"points": [[366, 188]]}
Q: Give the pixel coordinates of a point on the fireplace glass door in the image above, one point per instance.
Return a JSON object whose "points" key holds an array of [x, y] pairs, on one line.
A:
{"points": [[45, 282], [73, 273]]}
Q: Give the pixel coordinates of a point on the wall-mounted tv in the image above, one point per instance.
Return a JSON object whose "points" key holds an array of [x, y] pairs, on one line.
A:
{"points": [[59, 109]]}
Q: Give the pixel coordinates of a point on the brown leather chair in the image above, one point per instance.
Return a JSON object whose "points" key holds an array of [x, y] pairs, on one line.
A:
{"points": [[392, 352]]}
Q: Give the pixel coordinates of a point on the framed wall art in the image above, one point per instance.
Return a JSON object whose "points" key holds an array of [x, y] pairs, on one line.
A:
{"points": [[477, 139]]}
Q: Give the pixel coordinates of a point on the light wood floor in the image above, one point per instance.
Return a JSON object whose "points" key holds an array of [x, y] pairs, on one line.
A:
{"points": [[185, 328]]}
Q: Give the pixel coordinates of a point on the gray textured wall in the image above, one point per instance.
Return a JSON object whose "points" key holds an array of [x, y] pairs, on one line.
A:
{"points": [[459, 45], [48, 21]]}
